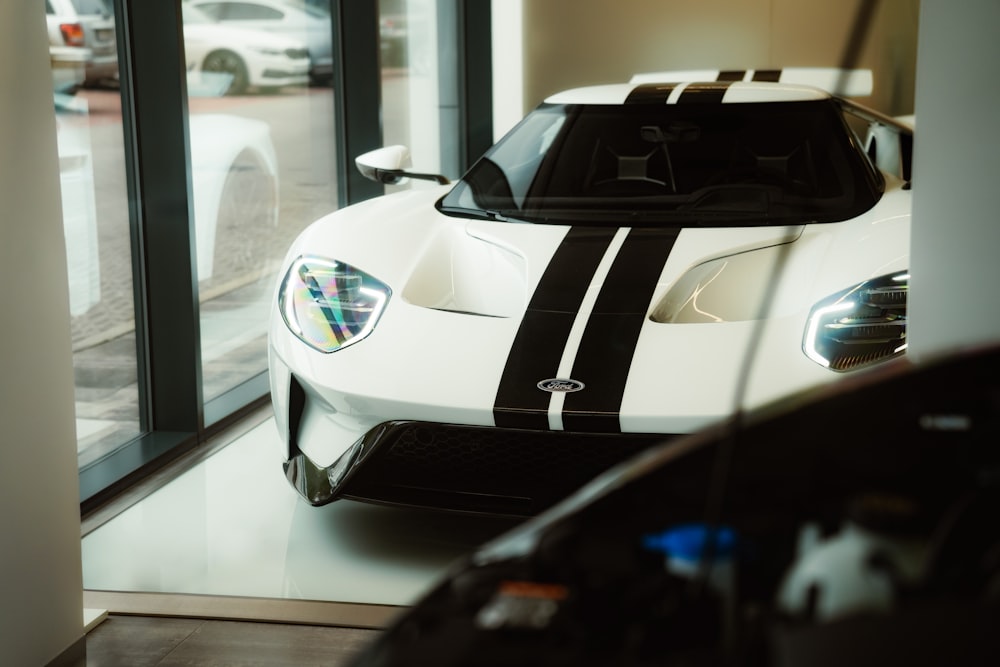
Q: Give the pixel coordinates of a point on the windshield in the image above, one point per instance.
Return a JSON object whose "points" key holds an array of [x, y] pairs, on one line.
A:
{"points": [[692, 164], [99, 7]]}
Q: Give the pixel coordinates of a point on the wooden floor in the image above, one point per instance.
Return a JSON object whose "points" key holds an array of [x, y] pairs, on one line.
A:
{"points": [[142, 641]]}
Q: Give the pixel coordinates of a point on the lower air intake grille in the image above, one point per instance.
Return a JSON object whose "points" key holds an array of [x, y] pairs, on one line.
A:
{"points": [[485, 469]]}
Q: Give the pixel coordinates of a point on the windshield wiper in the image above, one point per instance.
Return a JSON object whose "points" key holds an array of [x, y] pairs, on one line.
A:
{"points": [[477, 213]]}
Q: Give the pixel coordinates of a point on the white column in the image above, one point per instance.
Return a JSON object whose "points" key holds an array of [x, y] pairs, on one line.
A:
{"points": [[955, 264], [41, 588]]}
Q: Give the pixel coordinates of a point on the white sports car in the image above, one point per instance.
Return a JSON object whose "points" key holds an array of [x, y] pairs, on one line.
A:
{"points": [[590, 287]]}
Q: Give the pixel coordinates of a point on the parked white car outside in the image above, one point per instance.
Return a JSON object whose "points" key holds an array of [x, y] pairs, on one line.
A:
{"points": [[240, 58], [281, 17]]}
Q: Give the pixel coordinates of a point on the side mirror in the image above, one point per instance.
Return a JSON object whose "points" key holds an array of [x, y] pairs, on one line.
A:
{"points": [[890, 147], [388, 165]]}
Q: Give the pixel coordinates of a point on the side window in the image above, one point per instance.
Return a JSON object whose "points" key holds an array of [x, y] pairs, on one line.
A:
{"points": [[48, 7], [213, 9], [890, 149], [251, 12], [92, 7]]}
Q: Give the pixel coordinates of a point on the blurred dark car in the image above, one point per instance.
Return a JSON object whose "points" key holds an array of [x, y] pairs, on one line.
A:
{"points": [[856, 526]]}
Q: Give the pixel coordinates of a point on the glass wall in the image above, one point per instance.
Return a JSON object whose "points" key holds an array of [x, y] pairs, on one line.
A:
{"points": [[188, 167], [84, 60], [417, 43], [261, 128]]}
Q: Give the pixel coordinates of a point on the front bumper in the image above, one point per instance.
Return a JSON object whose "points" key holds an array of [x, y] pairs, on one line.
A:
{"points": [[277, 72], [102, 68], [464, 468]]}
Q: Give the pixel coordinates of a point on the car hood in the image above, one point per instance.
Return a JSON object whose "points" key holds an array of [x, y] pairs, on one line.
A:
{"points": [[705, 275], [655, 324]]}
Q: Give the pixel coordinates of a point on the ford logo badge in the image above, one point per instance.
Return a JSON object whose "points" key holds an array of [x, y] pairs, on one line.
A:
{"points": [[560, 385]]}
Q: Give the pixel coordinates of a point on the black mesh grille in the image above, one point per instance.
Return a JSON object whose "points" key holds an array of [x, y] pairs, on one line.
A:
{"points": [[486, 469]]}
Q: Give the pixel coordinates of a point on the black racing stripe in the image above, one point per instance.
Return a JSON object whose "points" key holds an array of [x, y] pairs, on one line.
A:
{"points": [[767, 75], [534, 356], [704, 92], [541, 339], [605, 355], [651, 93], [731, 75]]}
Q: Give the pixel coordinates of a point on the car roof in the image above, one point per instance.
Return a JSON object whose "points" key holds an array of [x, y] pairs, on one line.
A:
{"points": [[669, 93], [726, 86]]}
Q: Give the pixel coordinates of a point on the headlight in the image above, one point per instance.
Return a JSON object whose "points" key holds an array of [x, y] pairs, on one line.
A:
{"points": [[330, 305], [859, 326]]}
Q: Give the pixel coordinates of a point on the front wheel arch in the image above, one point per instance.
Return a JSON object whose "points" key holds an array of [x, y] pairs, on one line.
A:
{"points": [[224, 61]]}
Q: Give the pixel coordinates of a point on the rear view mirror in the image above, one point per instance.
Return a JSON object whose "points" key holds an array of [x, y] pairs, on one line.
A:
{"points": [[384, 165], [388, 166]]}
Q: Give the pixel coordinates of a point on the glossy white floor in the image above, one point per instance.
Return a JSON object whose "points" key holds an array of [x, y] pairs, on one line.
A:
{"points": [[232, 526]]}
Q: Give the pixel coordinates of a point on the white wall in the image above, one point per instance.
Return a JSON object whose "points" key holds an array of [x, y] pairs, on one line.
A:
{"points": [[544, 46], [956, 225], [41, 588]]}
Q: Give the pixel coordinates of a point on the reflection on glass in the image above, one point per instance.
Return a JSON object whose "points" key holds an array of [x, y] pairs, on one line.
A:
{"points": [[261, 128], [84, 29], [290, 18], [415, 36], [95, 221], [236, 59]]}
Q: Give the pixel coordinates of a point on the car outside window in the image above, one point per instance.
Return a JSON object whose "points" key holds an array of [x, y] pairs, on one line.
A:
{"points": [[84, 7], [245, 11], [211, 9]]}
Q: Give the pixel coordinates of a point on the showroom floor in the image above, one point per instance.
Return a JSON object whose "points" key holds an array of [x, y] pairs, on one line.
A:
{"points": [[227, 538]]}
